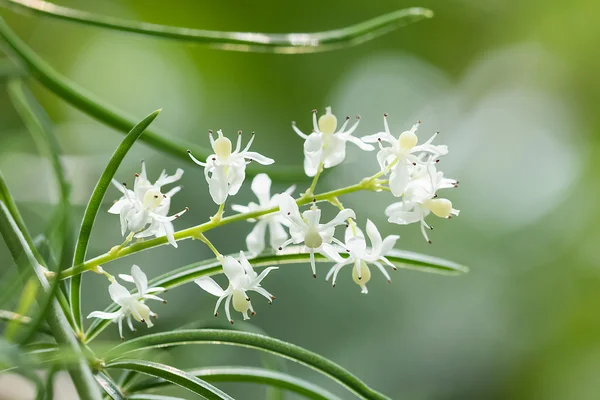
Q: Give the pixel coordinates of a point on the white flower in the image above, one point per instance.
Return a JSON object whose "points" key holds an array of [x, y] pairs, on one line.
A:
{"points": [[131, 304], [145, 204], [325, 145], [420, 199], [360, 256], [261, 186], [225, 170], [242, 278], [402, 155], [307, 229]]}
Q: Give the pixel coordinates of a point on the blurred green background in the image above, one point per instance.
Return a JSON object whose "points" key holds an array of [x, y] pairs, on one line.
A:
{"points": [[511, 85]]}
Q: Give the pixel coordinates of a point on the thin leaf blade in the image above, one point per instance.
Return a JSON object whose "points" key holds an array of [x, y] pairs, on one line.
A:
{"points": [[289, 43], [173, 375], [251, 340], [252, 375], [94, 205]]}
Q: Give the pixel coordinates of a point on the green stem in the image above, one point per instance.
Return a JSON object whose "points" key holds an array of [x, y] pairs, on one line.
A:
{"points": [[211, 246], [194, 231], [313, 185]]}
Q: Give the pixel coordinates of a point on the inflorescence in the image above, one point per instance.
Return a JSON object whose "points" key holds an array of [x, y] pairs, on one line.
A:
{"points": [[408, 170]]}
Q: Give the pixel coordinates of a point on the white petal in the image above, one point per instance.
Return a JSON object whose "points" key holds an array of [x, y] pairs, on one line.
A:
{"points": [[352, 231], [399, 179], [118, 292], [259, 158], [165, 179], [357, 246], [374, 237], [262, 276], [140, 279], [277, 233], [237, 174], [289, 208], [247, 266], [239, 208], [388, 244], [105, 315], [232, 268], [340, 218], [361, 144], [209, 284], [218, 186], [335, 152], [118, 206], [374, 138], [331, 253], [255, 241], [126, 278], [261, 186]]}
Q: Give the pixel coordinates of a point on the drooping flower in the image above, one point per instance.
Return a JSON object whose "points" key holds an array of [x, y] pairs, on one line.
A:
{"points": [[146, 204], [225, 170], [325, 145], [130, 304], [360, 257], [242, 279], [255, 241], [307, 229], [402, 155], [420, 199]]}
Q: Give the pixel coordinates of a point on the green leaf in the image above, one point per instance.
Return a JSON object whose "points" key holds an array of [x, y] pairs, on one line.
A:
{"points": [[173, 375], [251, 340], [248, 374], [19, 245], [112, 116], [40, 127], [186, 274], [109, 386], [145, 396], [94, 205], [290, 43]]}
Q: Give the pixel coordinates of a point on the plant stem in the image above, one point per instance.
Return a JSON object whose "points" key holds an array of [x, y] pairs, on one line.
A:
{"points": [[193, 232], [211, 246], [313, 185]]}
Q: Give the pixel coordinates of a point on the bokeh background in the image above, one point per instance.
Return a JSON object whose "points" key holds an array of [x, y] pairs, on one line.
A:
{"points": [[512, 86]]}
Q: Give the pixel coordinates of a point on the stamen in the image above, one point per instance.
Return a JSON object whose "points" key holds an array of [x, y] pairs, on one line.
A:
{"points": [[240, 132], [210, 131], [156, 196], [253, 313], [347, 117], [231, 322], [293, 122], [358, 117], [385, 115], [280, 248], [314, 111], [314, 275], [216, 314], [136, 175], [188, 151], [419, 121], [272, 297], [164, 302], [429, 241]]}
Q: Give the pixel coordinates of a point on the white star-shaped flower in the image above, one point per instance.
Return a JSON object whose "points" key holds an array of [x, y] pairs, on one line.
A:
{"points": [[242, 279], [360, 257], [146, 204], [307, 229], [403, 152], [325, 145], [225, 170], [261, 186], [420, 199], [131, 304]]}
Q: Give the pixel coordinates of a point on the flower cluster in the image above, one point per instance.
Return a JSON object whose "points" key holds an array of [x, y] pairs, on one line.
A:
{"points": [[407, 170]]}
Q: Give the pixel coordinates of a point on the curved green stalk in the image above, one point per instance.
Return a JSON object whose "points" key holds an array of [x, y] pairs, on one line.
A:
{"points": [[194, 231], [94, 205], [248, 374], [112, 116], [18, 243], [173, 375], [251, 340], [291, 43], [186, 274]]}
